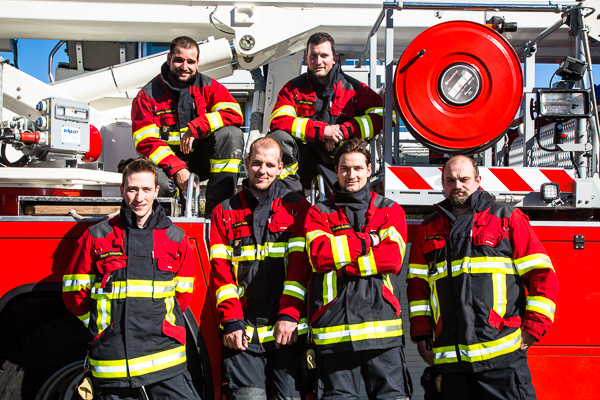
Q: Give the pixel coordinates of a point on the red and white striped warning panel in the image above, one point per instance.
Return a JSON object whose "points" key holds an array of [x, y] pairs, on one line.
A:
{"points": [[495, 179]]}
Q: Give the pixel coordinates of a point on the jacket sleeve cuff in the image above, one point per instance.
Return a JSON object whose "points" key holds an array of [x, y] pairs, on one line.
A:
{"points": [[285, 317], [233, 325], [418, 339], [347, 130], [194, 129], [536, 330]]}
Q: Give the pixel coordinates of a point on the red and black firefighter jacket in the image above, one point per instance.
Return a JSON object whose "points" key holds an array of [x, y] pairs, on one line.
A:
{"points": [[260, 268], [353, 105], [129, 286], [466, 284], [161, 114], [354, 285]]}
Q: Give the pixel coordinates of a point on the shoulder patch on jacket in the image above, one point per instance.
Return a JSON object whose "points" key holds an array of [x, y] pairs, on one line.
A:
{"points": [[300, 81], [327, 207], [383, 202], [175, 233], [349, 83], [501, 210], [101, 230]]}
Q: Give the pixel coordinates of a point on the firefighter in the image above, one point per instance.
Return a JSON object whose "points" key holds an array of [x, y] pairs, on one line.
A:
{"points": [[476, 322], [261, 272], [129, 281], [185, 121], [318, 110], [356, 241]]}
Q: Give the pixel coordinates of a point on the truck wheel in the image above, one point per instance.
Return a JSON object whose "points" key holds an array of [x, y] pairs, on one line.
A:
{"points": [[46, 359]]}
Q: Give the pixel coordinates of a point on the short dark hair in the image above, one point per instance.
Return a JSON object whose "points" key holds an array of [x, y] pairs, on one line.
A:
{"points": [[184, 42], [352, 146], [320, 37], [265, 143], [140, 165], [469, 158]]}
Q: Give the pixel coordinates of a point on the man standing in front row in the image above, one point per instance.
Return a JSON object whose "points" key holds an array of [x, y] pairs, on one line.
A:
{"points": [[356, 241], [318, 110], [185, 122], [129, 281], [261, 271], [469, 312]]}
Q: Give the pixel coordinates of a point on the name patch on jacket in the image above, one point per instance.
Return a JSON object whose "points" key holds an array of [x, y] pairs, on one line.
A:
{"points": [[433, 237], [110, 254], [342, 227], [238, 224], [161, 112], [305, 103]]}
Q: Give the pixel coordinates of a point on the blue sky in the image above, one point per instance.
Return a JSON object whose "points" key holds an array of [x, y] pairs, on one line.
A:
{"points": [[33, 59]]}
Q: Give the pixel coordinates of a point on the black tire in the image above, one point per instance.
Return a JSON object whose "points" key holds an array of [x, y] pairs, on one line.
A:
{"points": [[40, 357]]}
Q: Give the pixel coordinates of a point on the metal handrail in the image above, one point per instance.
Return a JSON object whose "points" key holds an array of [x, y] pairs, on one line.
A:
{"points": [[195, 192], [51, 59]]}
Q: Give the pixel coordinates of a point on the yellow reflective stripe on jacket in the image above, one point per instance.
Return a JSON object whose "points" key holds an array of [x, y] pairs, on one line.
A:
{"points": [[160, 154], [379, 111], [435, 301], [149, 131], [329, 287], [421, 307], [299, 128], [367, 264], [109, 368], [228, 105], [135, 288], [499, 284], [77, 282], [215, 121], [394, 236], [366, 126], [225, 165], [296, 244], [283, 111], [225, 292], [480, 351], [260, 252], [265, 333], [533, 261], [85, 318], [293, 288], [169, 305], [541, 305], [362, 331], [184, 284], [157, 362], [483, 265], [291, 170], [340, 251], [421, 271], [220, 251], [103, 320], [119, 291], [175, 136]]}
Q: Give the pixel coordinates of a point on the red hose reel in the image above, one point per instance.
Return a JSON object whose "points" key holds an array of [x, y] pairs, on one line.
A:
{"points": [[458, 87]]}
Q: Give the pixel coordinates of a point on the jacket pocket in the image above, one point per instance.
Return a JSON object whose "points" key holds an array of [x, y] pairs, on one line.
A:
{"points": [[500, 323], [433, 250], [173, 331], [393, 300], [280, 222], [305, 108], [102, 337]]}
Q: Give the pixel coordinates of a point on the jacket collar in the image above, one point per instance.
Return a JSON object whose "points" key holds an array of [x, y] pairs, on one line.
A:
{"points": [[164, 77], [480, 201], [158, 219], [277, 189], [335, 75]]}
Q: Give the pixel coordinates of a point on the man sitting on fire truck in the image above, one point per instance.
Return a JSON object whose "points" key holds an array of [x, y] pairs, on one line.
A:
{"points": [[318, 110], [469, 313], [185, 121]]}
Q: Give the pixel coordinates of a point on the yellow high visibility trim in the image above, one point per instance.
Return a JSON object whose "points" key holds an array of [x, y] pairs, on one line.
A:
{"points": [[541, 305], [329, 287], [220, 251], [480, 351], [294, 289], [388, 282], [266, 333], [483, 265], [288, 171], [77, 282], [379, 111], [225, 165], [499, 283], [228, 105], [175, 137], [421, 271], [394, 236], [215, 121], [341, 251], [435, 301], [260, 252], [149, 131], [157, 362], [225, 292], [312, 235], [169, 305], [444, 355], [416, 308], [85, 318], [533, 261], [287, 111], [160, 154], [184, 284], [366, 126], [299, 128], [356, 332], [296, 244], [367, 265], [103, 320], [109, 368], [138, 288]]}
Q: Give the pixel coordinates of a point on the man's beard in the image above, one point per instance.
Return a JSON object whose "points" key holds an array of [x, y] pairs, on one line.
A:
{"points": [[460, 199], [176, 78]]}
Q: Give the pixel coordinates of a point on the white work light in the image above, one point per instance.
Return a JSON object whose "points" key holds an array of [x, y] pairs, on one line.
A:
{"points": [[550, 191], [554, 104]]}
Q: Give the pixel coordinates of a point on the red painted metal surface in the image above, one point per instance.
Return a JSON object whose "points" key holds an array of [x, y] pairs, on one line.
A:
{"points": [[458, 86], [9, 196]]}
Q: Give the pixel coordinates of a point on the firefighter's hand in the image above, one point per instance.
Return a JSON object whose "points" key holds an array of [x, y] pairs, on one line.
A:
{"points": [[236, 340], [330, 144], [527, 339], [181, 178], [333, 132], [375, 239], [185, 144], [285, 332], [425, 350]]}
